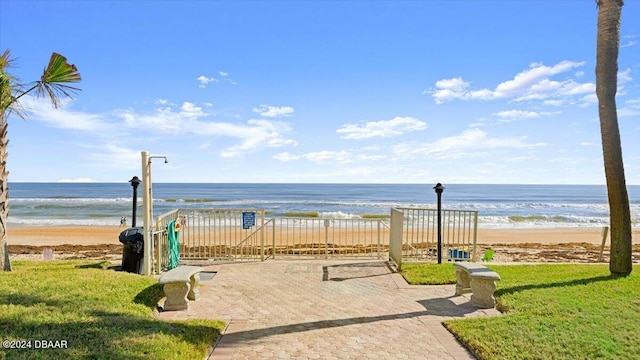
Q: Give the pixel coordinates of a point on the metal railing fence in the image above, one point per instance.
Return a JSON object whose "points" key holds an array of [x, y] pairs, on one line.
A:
{"points": [[324, 238], [222, 234], [420, 234]]}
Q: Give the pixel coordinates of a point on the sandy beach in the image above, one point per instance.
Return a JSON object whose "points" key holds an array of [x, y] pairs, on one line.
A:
{"points": [[537, 245], [60, 235], [97, 235]]}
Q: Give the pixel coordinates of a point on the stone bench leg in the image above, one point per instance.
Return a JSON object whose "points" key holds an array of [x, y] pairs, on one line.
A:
{"points": [[483, 290], [176, 293], [463, 282], [194, 291]]}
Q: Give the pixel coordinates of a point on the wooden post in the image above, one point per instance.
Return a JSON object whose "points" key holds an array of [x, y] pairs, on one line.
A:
{"points": [[605, 232]]}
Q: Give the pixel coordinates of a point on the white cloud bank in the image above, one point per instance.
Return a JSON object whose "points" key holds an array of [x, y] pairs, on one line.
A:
{"points": [[324, 156], [167, 119], [273, 111], [383, 128], [534, 83], [469, 143]]}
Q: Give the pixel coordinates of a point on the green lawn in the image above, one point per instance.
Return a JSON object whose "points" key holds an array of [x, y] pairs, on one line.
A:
{"points": [[550, 312], [99, 313]]}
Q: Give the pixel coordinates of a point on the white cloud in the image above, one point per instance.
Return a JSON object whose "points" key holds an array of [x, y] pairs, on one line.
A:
{"points": [[285, 156], [532, 84], [383, 128], [191, 110], [324, 156], [630, 107], [363, 157], [553, 102], [62, 117], [204, 81], [328, 156], [190, 119], [469, 143], [168, 120], [523, 81], [114, 156], [259, 133], [628, 44], [223, 73], [273, 111], [512, 115], [449, 89], [517, 114], [624, 76]]}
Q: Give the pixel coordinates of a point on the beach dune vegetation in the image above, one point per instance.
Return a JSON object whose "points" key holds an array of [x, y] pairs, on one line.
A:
{"points": [[309, 214], [376, 216]]}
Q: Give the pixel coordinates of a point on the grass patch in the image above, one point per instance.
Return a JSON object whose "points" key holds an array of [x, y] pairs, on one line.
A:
{"points": [[311, 214], [429, 273], [556, 312], [101, 314]]}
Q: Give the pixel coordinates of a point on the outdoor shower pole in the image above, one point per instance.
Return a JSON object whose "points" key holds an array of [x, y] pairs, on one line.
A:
{"points": [[147, 210], [439, 189], [134, 183]]}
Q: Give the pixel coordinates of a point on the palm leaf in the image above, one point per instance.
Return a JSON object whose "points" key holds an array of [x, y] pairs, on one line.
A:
{"points": [[8, 85], [55, 77]]}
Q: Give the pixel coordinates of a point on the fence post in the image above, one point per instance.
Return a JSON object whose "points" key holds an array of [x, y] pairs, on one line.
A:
{"points": [[475, 236], [395, 237], [605, 231], [273, 239], [326, 238], [379, 233], [262, 235]]}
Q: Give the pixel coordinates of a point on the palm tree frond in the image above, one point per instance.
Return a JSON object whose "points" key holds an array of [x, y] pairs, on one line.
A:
{"points": [[8, 84], [55, 77]]}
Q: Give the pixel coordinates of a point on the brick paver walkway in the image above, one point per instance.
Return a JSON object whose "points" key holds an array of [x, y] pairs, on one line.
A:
{"points": [[328, 309]]}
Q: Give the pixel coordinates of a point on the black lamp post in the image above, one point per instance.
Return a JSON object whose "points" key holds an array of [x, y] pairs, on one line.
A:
{"points": [[134, 183], [439, 189]]}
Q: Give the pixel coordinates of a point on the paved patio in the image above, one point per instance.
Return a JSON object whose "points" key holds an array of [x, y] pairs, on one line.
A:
{"points": [[328, 309]]}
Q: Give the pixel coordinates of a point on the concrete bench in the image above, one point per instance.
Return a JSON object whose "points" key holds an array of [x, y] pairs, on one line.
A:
{"points": [[478, 280], [180, 285]]}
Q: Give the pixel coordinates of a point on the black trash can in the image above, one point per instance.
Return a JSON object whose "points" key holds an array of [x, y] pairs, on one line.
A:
{"points": [[132, 240]]}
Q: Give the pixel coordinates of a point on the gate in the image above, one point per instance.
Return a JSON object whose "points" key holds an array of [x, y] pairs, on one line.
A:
{"points": [[415, 237], [212, 234], [325, 238]]}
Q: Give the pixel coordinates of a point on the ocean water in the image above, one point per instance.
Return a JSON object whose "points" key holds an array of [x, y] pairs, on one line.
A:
{"points": [[499, 206]]}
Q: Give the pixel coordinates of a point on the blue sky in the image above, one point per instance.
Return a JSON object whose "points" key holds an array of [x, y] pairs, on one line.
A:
{"points": [[329, 91]]}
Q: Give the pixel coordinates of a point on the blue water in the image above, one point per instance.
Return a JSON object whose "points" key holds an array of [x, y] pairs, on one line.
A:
{"points": [[502, 206]]}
